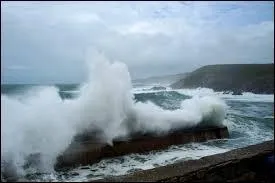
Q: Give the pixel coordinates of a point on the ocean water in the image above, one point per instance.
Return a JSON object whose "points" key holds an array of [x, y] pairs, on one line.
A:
{"points": [[249, 118], [45, 118]]}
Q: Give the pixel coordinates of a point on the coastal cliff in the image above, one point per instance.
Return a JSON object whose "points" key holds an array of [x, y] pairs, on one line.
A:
{"points": [[255, 78]]}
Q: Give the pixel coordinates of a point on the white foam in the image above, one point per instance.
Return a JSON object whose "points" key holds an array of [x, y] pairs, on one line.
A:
{"points": [[246, 96], [147, 89], [122, 165], [34, 124], [70, 91], [250, 130], [192, 112], [249, 97], [41, 122], [197, 92]]}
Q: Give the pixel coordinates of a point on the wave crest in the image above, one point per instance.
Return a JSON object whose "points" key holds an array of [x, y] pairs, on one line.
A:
{"points": [[41, 122]]}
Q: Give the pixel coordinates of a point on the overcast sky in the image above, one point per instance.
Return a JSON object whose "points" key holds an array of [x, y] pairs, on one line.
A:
{"points": [[46, 42]]}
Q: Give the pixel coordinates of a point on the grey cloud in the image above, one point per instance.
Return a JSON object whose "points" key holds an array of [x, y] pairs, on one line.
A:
{"points": [[53, 40]]}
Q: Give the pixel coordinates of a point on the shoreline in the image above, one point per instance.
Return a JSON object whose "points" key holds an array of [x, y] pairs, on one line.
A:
{"points": [[251, 163]]}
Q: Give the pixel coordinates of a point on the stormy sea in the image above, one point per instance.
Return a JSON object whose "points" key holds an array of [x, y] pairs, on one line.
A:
{"points": [[45, 118]]}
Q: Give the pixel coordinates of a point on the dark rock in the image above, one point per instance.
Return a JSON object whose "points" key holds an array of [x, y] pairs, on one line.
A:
{"points": [[158, 88], [134, 170], [237, 93], [74, 174]]}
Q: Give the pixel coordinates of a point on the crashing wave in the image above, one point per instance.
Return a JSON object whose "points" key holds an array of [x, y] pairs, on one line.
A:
{"points": [[41, 122]]}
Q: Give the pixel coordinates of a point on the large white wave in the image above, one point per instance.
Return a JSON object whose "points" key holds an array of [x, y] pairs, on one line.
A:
{"points": [[41, 122]]}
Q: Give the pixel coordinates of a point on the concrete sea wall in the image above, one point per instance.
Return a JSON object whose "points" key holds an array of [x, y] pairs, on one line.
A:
{"points": [[254, 163], [91, 151]]}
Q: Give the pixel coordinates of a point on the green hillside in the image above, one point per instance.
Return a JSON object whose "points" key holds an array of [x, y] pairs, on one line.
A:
{"points": [[256, 78]]}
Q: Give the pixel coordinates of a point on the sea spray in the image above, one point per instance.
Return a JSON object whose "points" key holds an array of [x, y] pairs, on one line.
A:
{"points": [[42, 123], [35, 124], [152, 118]]}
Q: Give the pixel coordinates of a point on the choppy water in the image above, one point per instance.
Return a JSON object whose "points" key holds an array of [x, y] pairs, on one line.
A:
{"points": [[250, 120]]}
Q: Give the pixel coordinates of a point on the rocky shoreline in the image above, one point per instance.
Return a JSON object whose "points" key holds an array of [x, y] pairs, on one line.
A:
{"points": [[254, 163]]}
